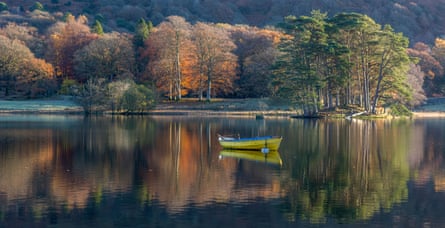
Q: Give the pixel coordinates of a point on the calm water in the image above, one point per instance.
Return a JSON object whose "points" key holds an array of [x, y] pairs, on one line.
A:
{"points": [[71, 171]]}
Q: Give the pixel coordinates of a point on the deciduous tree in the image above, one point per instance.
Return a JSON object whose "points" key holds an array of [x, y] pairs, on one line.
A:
{"points": [[36, 79], [215, 60], [415, 79], [439, 54], [428, 63], [256, 50], [110, 56], [20, 70], [92, 95], [167, 47], [117, 89], [27, 34], [65, 38]]}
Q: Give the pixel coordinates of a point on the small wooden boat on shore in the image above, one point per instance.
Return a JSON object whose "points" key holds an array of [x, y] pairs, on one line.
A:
{"points": [[262, 143], [273, 157]]}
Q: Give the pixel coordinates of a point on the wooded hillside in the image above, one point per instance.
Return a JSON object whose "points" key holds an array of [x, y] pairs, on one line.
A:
{"points": [[419, 20], [124, 55]]}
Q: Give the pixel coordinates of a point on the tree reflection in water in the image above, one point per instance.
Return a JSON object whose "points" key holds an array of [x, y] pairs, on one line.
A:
{"points": [[88, 169], [348, 170]]}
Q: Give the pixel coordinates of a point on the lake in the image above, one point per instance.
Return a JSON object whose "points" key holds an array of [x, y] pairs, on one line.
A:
{"points": [[170, 171]]}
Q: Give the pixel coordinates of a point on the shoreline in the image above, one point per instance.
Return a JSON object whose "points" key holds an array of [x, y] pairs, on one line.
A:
{"points": [[430, 114], [256, 108], [202, 113], [158, 112]]}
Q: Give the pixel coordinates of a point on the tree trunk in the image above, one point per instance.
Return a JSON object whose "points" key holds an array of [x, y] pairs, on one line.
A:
{"points": [[209, 89], [178, 68], [337, 100], [200, 86], [379, 80], [209, 82], [171, 92]]}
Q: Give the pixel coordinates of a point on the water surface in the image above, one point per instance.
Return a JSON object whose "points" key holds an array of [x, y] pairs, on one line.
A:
{"points": [[170, 171]]}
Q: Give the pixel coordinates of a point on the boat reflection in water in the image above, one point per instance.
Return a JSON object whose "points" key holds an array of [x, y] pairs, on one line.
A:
{"points": [[271, 157]]}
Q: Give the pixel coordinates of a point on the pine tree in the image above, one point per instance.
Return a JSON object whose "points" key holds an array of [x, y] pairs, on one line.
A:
{"points": [[3, 6], [97, 28], [143, 30]]}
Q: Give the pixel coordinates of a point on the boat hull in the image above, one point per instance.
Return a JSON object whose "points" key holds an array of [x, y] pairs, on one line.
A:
{"points": [[259, 143]]}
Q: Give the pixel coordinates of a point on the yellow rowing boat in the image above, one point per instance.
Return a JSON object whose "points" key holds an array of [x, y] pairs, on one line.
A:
{"points": [[263, 143]]}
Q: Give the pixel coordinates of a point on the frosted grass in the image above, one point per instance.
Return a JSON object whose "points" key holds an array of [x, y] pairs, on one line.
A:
{"points": [[39, 106]]}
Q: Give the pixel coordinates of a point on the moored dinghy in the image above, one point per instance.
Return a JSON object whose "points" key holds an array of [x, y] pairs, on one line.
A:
{"points": [[262, 143]]}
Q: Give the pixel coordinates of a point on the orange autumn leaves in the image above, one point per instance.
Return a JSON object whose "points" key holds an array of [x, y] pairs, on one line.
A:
{"points": [[197, 60], [190, 59], [200, 60], [64, 40], [21, 73]]}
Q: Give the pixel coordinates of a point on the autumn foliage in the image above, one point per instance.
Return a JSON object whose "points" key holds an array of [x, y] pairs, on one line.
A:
{"points": [[21, 74], [65, 39], [191, 60], [179, 58]]}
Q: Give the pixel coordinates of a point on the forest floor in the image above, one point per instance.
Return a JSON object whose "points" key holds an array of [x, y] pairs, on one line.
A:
{"points": [[434, 107]]}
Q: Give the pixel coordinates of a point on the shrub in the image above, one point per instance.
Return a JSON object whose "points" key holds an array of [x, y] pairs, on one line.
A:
{"points": [[138, 98], [67, 87], [400, 110]]}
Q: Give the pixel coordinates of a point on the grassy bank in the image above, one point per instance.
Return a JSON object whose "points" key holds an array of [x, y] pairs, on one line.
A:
{"points": [[58, 105], [226, 107], [183, 107]]}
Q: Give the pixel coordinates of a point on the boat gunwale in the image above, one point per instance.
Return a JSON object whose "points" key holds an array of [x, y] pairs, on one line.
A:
{"points": [[259, 138]]}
